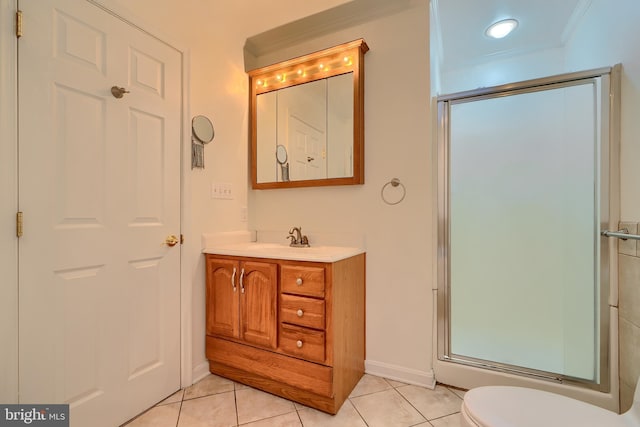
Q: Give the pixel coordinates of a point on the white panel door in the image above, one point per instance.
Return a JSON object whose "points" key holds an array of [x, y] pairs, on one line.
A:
{"points": [[8, 207], [99, 181], [307, 150]]}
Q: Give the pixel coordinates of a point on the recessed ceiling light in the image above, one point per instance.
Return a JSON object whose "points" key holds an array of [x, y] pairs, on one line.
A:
{"points": [[501, 29]]}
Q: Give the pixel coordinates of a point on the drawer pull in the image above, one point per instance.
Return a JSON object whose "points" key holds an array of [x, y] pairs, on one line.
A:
{"points": [[299, 281], [300, 313], [299, 343], [233, 279]]}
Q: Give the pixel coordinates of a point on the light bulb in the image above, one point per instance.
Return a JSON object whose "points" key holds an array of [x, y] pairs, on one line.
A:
{"points": [[501, 29]]}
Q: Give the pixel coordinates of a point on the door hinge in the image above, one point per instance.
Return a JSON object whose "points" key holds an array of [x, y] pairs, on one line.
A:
{"points": [[182, 239], [19, 24], [19, 224]]}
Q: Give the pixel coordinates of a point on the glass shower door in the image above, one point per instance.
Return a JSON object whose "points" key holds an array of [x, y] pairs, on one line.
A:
{"points": [[522, 230]]}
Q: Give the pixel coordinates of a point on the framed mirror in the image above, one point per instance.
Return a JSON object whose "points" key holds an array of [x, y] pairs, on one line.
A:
{"points": [[307, 119]]}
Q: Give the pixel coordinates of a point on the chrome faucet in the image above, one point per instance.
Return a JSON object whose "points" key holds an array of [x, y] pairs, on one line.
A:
{"points": [[298, 240]]}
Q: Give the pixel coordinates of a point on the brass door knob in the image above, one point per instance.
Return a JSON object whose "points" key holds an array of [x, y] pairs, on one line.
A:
{"points": [[171, 240], [118, 92]]}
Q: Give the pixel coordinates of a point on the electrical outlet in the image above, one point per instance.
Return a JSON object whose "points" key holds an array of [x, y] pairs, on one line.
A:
{"points": [[221, 190], [244, 215]]}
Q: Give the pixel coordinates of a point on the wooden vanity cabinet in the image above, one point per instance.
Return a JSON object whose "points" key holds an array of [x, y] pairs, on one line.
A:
{"points": [[241, 299], [317, 312]]}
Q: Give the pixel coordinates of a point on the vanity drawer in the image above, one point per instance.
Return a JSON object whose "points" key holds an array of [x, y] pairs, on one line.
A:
{"points": [[302, 280], [307, 344], [302, 311]]}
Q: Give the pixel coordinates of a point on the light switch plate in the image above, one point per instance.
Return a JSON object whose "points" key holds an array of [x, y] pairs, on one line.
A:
{"points": [[221, 190]]}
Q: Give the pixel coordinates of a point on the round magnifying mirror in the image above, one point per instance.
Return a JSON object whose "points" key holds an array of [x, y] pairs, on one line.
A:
{"points": [[202, 129], [281, 154]]}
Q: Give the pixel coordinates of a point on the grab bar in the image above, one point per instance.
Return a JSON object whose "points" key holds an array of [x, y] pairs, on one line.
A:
{"points": [[620, 234]]}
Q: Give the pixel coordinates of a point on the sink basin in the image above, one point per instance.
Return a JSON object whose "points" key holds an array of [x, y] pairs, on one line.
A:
{"points": [[280, 251]]}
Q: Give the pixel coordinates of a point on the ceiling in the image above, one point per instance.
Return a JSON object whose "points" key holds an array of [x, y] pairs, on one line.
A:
{"points": [[459, 25]]}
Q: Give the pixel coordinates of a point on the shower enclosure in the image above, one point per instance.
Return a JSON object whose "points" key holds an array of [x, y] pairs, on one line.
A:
{"points": [[524, 190]]}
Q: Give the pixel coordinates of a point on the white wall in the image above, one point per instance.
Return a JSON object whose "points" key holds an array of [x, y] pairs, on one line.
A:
{"points": [[608, 34], [399, 258], [397, 144], [397, 238]]}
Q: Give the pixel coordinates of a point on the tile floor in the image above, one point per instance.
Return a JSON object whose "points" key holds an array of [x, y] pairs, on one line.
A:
{"points": [[375, 402]]}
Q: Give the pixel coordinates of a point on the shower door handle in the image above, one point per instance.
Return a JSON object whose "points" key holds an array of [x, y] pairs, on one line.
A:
{"points": [[620, 234]]}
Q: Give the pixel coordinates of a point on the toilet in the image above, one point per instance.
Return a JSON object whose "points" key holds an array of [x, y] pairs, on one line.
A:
{"points": [[505, 406]]}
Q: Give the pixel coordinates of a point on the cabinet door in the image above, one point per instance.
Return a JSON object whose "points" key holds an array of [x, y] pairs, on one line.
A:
{"points": [[222, 297], [258, 303]]}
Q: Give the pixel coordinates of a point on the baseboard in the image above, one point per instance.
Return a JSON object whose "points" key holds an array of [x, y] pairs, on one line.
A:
{"points": [[402, 374], [200, 371]]}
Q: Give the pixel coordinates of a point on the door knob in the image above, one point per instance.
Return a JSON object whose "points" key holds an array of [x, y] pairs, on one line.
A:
{"points": [[171, 240], [118, 92]]}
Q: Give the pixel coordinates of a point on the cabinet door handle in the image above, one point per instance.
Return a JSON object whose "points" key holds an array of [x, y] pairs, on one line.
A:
{"points": [[299, 343], [242, 281], [233, 279], [299, 281], [300, 313]]}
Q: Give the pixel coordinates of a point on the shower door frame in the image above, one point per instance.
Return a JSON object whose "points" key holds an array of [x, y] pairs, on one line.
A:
{"points": [[608, 209]]}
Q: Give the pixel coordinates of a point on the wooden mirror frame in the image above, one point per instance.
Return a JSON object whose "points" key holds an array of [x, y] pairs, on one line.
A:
{"points": [[341, 59]]}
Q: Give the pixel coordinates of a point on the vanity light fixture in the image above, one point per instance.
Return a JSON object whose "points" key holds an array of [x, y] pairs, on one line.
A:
{"points": [[332, 64], [501, 29]]}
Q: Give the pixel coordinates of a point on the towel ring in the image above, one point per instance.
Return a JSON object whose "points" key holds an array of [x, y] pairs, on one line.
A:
{"points": [[395, 182]]}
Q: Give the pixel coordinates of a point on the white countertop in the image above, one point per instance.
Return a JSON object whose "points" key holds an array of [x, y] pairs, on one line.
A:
{"points": [[280, 251]]}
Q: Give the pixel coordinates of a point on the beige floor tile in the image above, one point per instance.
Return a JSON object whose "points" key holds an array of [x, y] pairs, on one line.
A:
{"points": [[458, 392], [174, 398], [254, 405], [346, 416], [395, 383], [217, 410], [209, 385], [158, 416], [287, 420], [375, 403], [432, 403], [454, 420], [240, 386], [386, 409], [300, 406], [369, 384]]}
